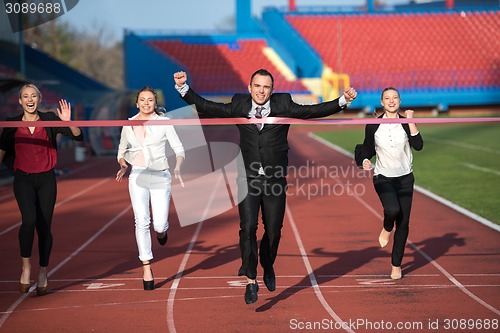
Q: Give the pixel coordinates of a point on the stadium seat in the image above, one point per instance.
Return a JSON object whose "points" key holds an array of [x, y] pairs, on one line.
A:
{"points": [[230, 65], [422, 49]]}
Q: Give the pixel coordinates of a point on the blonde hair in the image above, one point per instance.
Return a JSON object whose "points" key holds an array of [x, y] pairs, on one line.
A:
{"points": [[31, 85]]}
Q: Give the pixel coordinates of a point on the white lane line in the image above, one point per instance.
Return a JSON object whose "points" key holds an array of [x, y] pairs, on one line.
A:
{"points": [[356, 276], [310, 273], [480, 168], [439, 267], [99, 305], [428, 193], [90, 305], [177, 280], [453, 280], [391, 284], [458, 208], [62, 202], [477, 275], [323, 276], [162, 300], [175, 284], [423, 254], [65, 261], [384, 283], [88, 280]]}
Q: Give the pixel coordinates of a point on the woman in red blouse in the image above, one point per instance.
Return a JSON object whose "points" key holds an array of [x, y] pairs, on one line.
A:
{"points": [[32, 154]]}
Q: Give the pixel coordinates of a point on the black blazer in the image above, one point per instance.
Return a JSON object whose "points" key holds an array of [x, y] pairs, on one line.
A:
{"points": [[268, 147], [367, 149], [8, 135]]}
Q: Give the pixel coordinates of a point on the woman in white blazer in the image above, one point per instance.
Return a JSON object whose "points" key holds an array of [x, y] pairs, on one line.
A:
{"points": [[144, 147]]}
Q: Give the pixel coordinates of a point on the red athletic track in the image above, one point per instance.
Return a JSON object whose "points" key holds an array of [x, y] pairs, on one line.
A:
{"points": [[329, 268]]}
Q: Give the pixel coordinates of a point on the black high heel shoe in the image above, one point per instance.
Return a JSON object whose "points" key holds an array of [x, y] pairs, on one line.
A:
{"points": [[163, 240], [42, 291], [149, 285], [24, 287]]}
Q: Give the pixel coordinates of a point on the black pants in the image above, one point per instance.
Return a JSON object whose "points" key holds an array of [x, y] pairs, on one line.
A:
{"points": [[269, 195], [36, 197], [396, 194]]}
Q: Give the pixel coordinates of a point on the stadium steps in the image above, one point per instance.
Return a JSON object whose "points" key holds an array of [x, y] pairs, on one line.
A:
{"points": [[228, 64], [279, 64]]}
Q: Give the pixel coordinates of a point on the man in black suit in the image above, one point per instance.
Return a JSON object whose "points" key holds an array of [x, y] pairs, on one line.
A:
{"points": [[265, 155]]}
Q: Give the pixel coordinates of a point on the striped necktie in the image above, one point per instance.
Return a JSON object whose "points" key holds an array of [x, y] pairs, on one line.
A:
{"points": [[258, 115]]}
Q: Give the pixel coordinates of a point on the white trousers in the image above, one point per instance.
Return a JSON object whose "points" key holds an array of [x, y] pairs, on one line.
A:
{"points": [[145, 187]]}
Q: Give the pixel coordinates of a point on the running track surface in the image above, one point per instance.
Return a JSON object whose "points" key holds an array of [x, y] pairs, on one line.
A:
{"points": [[331, 273]]}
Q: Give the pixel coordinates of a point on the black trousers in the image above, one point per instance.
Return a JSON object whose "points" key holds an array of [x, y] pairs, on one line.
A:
{"points": [[269, 196], [396, 194], [36, 197]]}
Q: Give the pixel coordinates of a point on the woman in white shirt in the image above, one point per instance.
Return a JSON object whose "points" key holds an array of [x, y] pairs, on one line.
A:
{"points": [[393, 179], [144, 147]]}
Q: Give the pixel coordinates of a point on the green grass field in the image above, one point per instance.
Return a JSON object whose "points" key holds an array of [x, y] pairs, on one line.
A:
{"points": [[459, 162]]}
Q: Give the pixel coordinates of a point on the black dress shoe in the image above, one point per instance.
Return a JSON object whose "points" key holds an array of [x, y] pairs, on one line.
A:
{"points": [[270, 279], [251, 293], [163, 240]]}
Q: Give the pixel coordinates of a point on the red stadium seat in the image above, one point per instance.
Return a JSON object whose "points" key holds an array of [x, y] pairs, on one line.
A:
{"points": [[439, 48], [229, 65]]}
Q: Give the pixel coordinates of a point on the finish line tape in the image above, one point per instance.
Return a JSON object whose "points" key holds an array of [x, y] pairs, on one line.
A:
{"points": [[244, 121]]}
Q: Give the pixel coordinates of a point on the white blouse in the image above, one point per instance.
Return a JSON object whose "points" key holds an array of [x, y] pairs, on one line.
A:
{"points": [[151, 151], [394, 156]]}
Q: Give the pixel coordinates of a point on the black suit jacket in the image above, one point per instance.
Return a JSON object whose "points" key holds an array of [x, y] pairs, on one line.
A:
{"points": [[268, 147], [7, 140]]}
